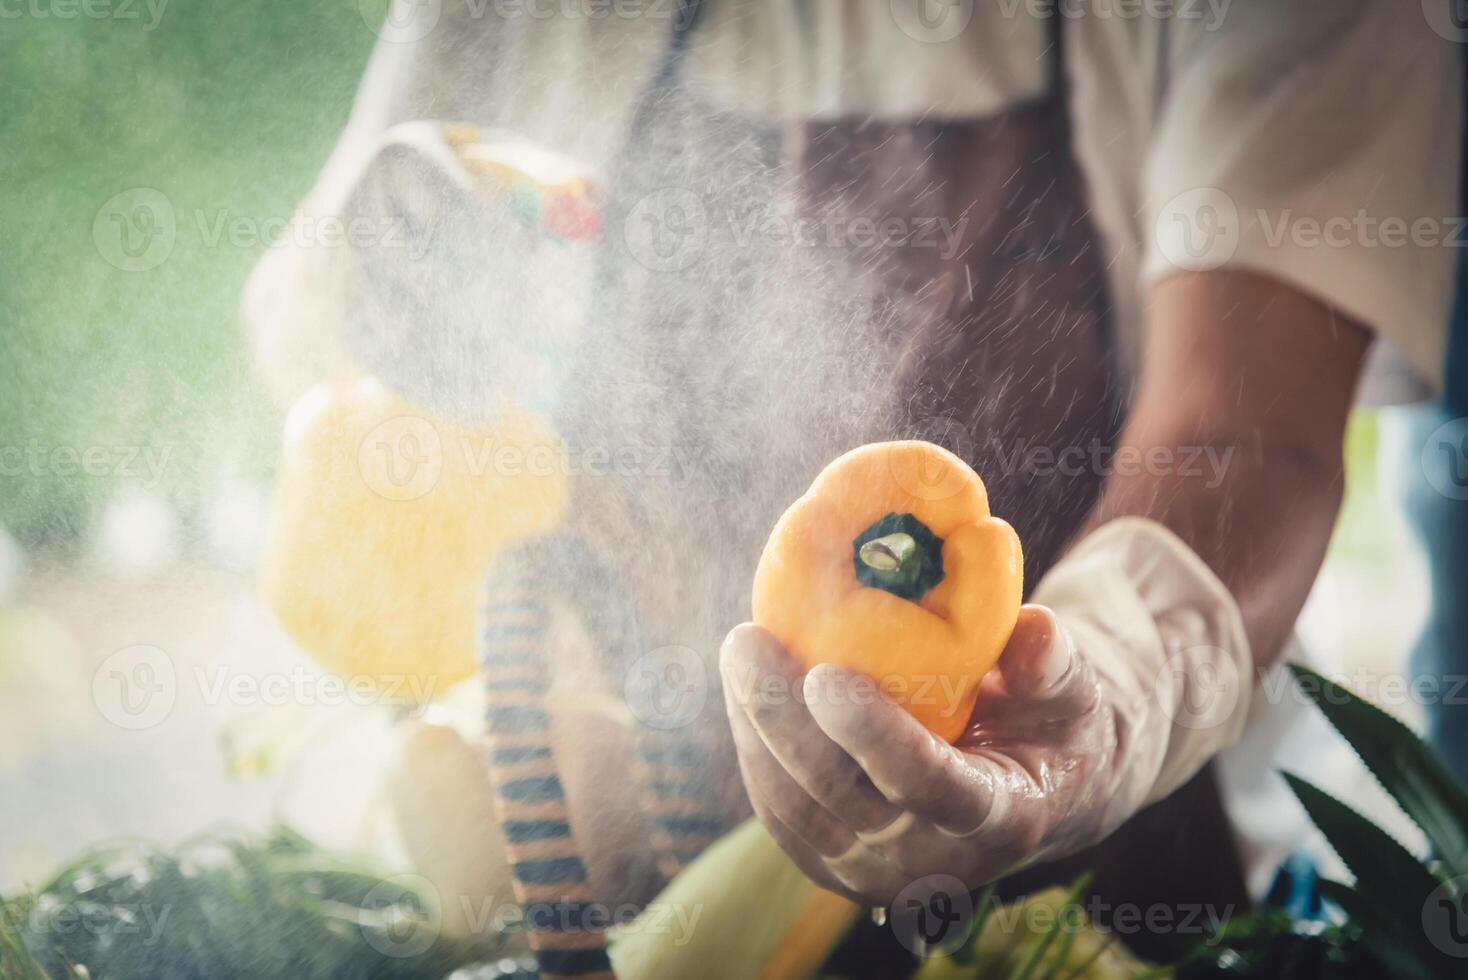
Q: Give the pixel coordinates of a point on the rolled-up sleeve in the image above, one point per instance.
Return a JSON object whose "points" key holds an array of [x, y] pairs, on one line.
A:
{"points": [[1319, 144]]}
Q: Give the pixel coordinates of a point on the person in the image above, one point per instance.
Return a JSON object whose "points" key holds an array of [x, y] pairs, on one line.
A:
{"points": [[1129, 267]]}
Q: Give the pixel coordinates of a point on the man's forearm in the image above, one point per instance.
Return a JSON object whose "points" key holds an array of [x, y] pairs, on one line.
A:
{"points": [[1261, 518], [1257, 378]]}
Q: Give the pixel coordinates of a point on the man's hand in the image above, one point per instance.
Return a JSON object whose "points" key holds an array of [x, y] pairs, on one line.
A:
{"points": [[866, 800]]}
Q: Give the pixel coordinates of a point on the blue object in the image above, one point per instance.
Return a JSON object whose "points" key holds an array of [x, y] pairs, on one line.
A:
{"points": [[1435, 498], [1296, 889]]}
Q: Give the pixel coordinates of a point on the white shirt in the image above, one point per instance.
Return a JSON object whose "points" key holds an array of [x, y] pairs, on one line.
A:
{"points": [[1316, 142], [1317, 132]]}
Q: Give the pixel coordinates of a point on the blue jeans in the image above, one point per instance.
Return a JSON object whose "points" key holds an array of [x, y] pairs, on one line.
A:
{"points": [[1434, 488]]}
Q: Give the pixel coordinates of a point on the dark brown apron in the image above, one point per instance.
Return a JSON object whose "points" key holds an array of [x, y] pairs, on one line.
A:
{"points": [[761, 359]]}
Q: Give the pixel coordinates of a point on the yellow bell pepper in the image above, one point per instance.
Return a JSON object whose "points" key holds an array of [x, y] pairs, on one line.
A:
{"points": [[892, 567], [385, 518]]}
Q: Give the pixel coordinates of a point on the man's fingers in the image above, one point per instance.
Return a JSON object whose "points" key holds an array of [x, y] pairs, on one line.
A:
{"points": [[806, 858], [775, 705], [1040, 665], [782, 795], [910, 766]]}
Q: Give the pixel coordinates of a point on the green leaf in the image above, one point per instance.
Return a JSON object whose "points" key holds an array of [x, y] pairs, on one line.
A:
{"points": [[1372, 932], [983, 905], [1073, 922], [1404, 765], [1037, 954], [1390, 880]]}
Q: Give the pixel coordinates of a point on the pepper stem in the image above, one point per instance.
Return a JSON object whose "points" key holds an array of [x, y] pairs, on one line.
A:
{"points": [[900, 555], [889, 553]]}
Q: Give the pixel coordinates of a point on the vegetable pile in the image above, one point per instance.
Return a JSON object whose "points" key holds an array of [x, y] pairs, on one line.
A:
{"points": [[223, 908]]}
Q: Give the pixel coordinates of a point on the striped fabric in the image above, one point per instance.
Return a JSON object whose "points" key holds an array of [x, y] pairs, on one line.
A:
{"points": [[565, 932], [549, 876]]}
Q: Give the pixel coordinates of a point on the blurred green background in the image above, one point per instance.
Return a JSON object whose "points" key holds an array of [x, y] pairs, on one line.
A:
{"points": [[228, 110]]}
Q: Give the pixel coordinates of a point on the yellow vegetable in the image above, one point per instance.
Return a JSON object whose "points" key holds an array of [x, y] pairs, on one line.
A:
{"points": [[892, 566], [742, 909], [385, 518]]}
